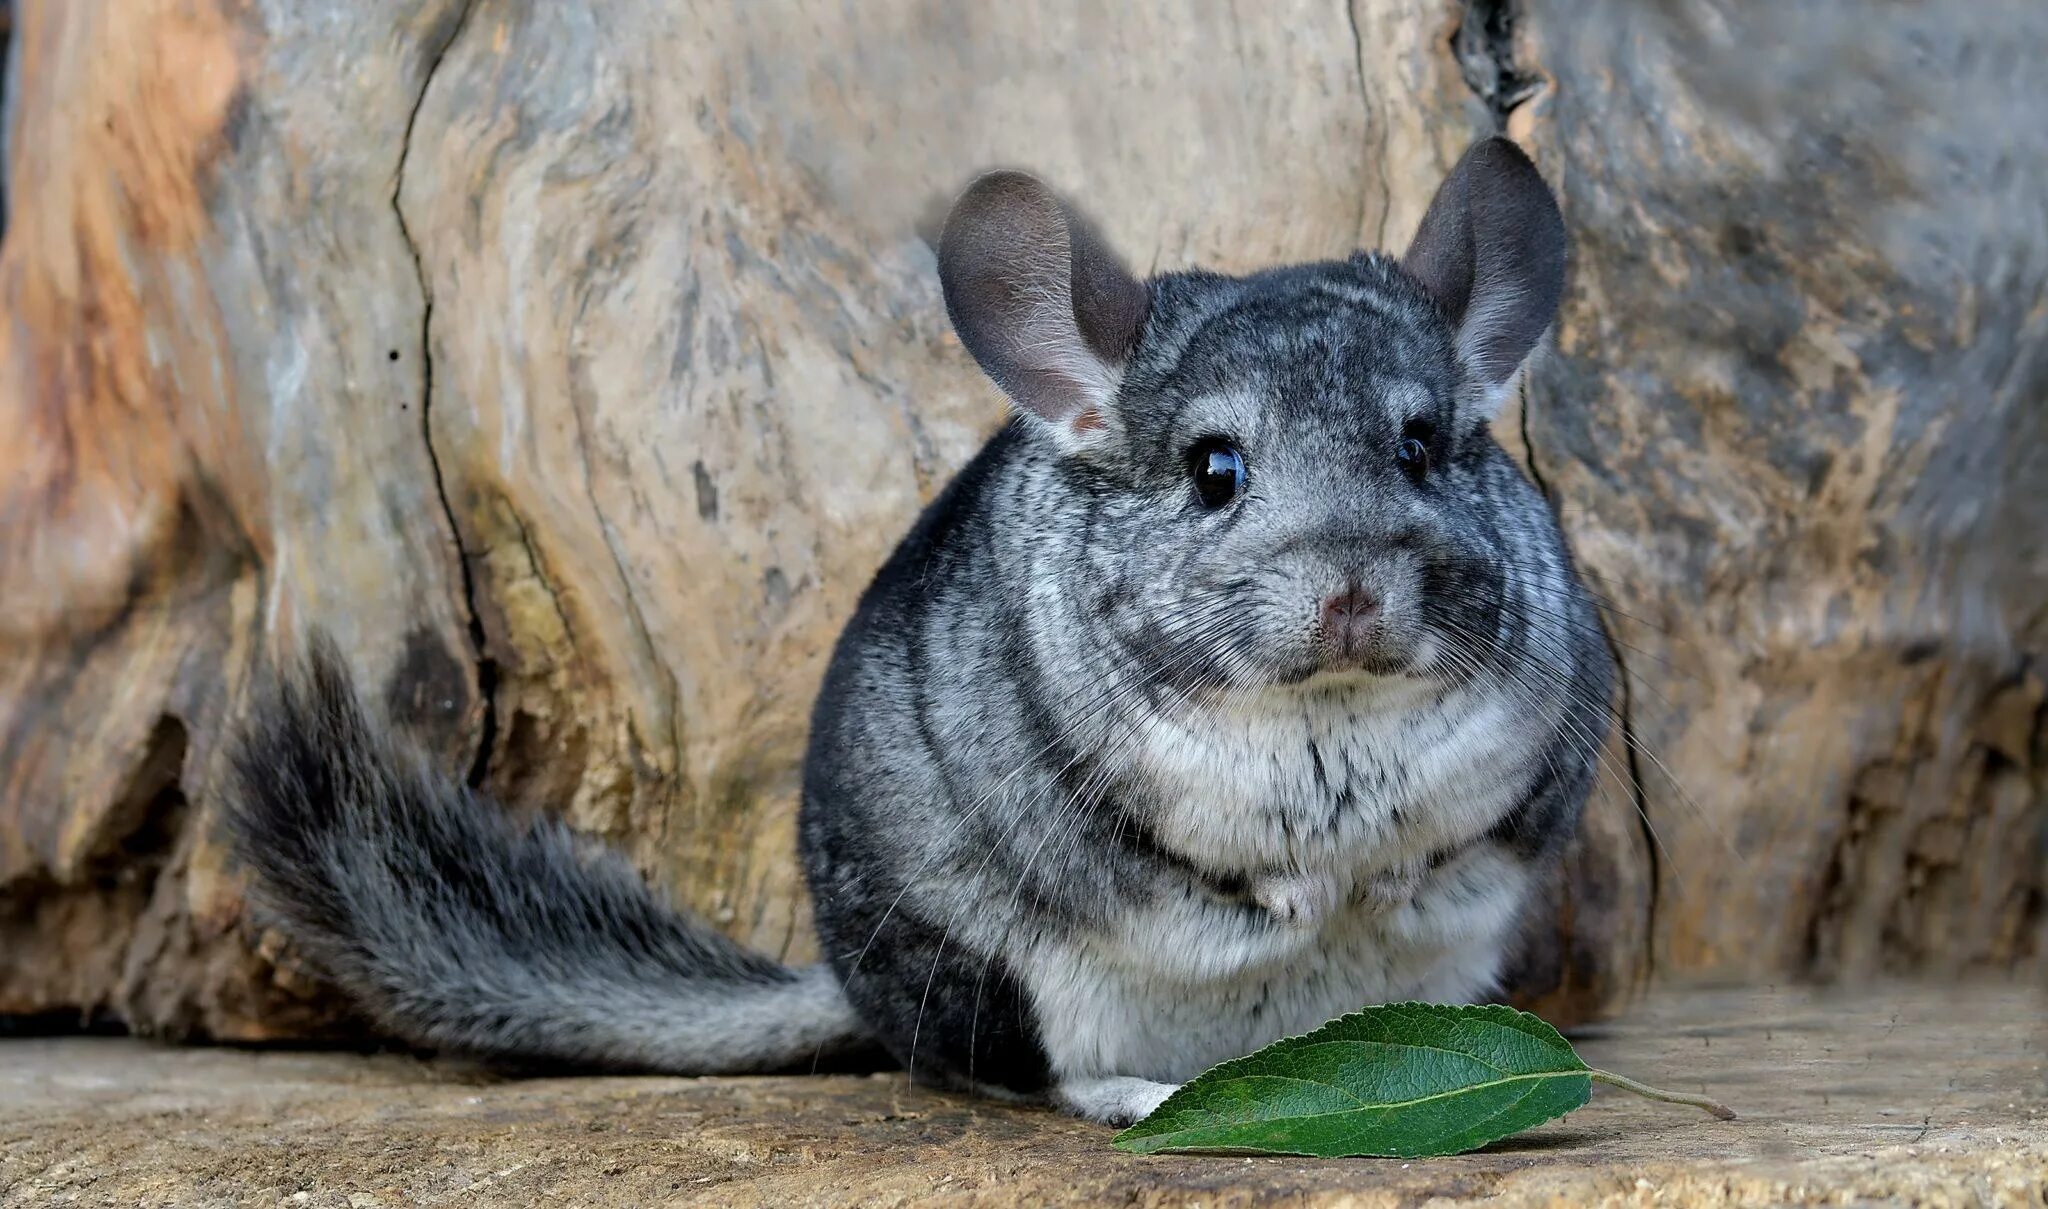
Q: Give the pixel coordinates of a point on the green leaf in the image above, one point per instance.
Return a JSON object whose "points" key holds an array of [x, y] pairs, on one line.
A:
{"points": [[1402, 1080]]}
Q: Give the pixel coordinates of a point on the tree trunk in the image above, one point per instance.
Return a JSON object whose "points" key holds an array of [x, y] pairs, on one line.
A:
{"points": [[1798, 428], [577, 365]]}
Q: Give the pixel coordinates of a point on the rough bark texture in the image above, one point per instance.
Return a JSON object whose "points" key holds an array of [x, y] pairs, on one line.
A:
{"points": [[1798, 425], [577, 370]]}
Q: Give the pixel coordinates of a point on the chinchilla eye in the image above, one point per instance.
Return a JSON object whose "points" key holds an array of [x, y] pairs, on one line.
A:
{"points": [[1413, 451], [1413, 456], [1218, 471]]}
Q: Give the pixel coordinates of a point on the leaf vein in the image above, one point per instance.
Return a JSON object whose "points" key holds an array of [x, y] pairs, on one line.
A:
{"points": [[1369, 1106]]}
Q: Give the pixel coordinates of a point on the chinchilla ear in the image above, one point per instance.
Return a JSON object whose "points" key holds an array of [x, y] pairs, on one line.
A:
{"points": [[1491, 250], [1040, 301]]}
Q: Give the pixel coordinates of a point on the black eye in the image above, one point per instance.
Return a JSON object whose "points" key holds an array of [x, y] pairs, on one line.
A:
{"points": [[1218, 470], [1413, 451]]}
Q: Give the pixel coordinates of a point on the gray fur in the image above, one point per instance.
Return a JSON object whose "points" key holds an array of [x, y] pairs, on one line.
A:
{"points": [[1094, 796], [455, 926]]}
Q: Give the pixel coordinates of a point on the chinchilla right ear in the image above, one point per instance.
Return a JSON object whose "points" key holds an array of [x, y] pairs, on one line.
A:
{"points": [[1041, 301], [1491, 252]]}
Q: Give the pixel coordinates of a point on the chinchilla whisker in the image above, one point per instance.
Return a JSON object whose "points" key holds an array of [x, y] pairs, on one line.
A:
{"points": [[1118, 692], [953, 920], [1614, 773], [1196, 652], [1205, 630], [1099, 779], [1106, 701], [1581, 571], [1662, 665], [1643, 747], [1557, 573], [1608, 605], [1578, 712], [1010, 918], [1092, 788], [1659, 707], [1531, 609], [1473, 671], [1518, 686]]}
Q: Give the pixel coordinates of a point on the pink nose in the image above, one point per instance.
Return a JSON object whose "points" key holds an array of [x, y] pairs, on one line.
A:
{"points": [[1347, 615]]}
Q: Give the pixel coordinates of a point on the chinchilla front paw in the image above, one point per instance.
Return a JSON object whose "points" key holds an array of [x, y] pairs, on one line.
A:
{"points": [[1298, 900]]}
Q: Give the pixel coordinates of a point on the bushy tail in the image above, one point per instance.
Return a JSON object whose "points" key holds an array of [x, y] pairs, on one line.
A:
{"points": [[457, 928]]}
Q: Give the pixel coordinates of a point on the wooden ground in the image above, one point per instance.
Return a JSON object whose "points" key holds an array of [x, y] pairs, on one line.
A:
{"points": [[1930, 1095]]}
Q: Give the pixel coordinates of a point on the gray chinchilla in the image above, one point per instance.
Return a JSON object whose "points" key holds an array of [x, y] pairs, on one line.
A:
{"points": [[1242, 680]]}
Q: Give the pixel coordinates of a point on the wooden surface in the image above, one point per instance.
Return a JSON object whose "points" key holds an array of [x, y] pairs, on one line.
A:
{"points": [[578, 372], [1897, 1095], [1797, 424]]}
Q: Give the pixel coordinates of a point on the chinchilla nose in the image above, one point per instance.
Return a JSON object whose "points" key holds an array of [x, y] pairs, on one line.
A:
{"points": [[1348, 617]]}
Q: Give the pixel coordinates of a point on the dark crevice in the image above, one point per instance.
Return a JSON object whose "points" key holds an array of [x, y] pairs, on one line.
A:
{"points": [[2035, 909], [1485, 45], [1380, 166], [1529, 450], [6, 110], [1625, 715], [130, 849], [1632, 752], [540, 574], [90, 1022], [634, 614], [486, 667]]}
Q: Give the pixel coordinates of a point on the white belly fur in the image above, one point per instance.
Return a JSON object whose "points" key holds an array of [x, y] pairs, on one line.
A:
{"points": [[1175, 987]]}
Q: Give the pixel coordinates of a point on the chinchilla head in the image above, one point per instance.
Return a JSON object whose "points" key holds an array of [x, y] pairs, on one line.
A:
{"points": [[1287, 473]]}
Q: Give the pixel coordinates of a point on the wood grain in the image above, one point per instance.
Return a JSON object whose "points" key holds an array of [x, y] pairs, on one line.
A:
{"points": [[212, 387], [1893, 1095], [1798, 427], [577, 368]]}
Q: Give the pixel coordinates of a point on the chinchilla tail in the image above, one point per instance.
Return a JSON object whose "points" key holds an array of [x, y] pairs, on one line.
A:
{"points": [[455, 927]]}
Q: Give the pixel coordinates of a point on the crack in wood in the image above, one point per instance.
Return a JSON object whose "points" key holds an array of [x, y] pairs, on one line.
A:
{"points": [[1484, 44], [486, 666], [1485, 48]]}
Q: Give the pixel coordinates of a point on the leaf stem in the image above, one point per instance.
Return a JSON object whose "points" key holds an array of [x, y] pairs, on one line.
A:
{"points": [[1720, 1110]]}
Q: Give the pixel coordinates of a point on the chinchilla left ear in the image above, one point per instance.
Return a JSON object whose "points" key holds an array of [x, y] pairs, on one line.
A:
{"points": [[1041, 302], [1491, 251]]}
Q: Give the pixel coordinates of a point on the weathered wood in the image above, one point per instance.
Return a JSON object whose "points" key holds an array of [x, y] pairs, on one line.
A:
{"points": [[578, 367], [213, 397], [1889, 1097], [1798, 425]]}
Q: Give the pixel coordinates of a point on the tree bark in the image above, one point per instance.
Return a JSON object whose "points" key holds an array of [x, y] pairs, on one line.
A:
{"points": [[577, 367], [1798, 427]]}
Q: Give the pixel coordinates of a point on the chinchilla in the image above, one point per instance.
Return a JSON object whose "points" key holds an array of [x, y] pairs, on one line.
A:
{"points": [[1240, 681]]}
